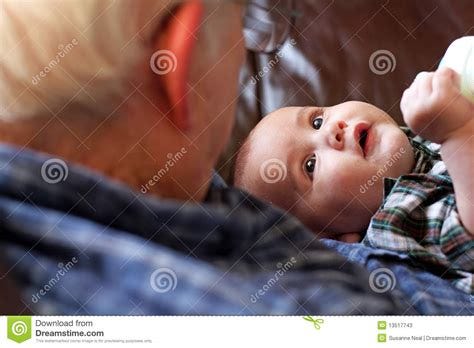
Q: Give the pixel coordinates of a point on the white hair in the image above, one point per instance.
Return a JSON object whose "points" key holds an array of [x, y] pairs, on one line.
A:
{"points": [[63, 56]]}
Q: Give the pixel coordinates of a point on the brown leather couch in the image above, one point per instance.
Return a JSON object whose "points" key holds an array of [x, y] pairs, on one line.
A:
{"points": [[323, 52]]}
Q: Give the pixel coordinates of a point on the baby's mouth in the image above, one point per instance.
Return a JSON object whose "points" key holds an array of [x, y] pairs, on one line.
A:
{"points": [[362, 140], [362, 137]]}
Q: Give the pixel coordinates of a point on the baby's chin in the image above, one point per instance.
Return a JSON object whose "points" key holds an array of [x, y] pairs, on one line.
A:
{"points": [[346, 229], [349, 237], [395, 153]]}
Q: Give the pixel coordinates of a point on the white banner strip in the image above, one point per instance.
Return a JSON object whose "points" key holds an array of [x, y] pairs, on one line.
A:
{"points": [[228, 332]]}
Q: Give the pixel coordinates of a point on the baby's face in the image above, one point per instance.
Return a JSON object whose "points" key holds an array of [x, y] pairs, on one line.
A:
{"points": [[326, 165]]}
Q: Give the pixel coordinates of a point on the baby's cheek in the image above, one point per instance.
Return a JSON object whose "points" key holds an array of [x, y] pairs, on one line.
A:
{"points": [[340, 189], [346, 179], [348, 174], [359, 180]]}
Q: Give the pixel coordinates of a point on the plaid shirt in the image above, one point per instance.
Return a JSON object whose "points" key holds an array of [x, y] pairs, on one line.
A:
{"points": [[418, 217]]}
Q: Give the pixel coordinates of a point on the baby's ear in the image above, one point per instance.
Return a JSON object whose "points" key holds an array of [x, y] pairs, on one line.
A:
{"points": [[349, 237]]}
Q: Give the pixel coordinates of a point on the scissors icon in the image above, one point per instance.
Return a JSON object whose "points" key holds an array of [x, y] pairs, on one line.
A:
{"points": [[316, 322]]}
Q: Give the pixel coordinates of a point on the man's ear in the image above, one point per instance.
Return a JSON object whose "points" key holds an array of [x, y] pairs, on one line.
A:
{"points": [[174, 46]]}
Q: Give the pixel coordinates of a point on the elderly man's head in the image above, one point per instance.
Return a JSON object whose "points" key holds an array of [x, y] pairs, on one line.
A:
{"points": [[143, 91]]}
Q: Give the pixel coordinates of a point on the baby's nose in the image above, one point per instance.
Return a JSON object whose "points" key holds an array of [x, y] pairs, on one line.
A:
{"points": [[335, 135]]}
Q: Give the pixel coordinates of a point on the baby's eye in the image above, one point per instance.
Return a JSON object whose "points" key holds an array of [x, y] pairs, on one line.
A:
{"points": [[309, 165], [317, 122]]}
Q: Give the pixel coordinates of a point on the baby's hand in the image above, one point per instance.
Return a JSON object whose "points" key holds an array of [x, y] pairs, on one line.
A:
{"points": [[434, 107]]}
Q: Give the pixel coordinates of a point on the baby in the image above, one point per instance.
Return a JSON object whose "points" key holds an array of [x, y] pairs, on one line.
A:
{"points": [[348, 172]]}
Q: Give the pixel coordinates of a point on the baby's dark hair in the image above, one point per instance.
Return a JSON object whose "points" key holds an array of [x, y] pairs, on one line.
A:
{"points": [[241, 161]]}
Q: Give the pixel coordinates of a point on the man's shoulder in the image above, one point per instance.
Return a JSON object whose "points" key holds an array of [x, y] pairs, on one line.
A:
{"points": [[83, 198]]}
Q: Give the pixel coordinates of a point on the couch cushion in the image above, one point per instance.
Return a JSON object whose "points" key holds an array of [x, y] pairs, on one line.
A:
{"points": [[368, 50]]}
